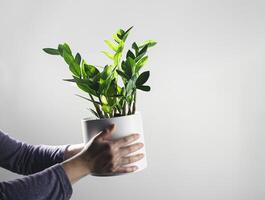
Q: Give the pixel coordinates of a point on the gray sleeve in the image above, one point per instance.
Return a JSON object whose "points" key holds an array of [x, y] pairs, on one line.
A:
{"points": [[25, 159], [49, 184]]}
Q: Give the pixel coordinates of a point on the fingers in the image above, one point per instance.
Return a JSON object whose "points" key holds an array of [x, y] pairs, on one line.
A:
{"points": [[130, 149], [131, 159], [126, 169], [107, 132], [126, 140]]}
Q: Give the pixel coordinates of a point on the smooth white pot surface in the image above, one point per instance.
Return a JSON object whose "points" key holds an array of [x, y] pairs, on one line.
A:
{"points": [[125, 125]]}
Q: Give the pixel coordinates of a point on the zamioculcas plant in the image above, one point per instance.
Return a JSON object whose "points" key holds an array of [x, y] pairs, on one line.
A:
{"points": [[102, 86], [112, 89]]}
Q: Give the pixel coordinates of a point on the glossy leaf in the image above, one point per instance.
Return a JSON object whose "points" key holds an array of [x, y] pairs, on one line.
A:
{"points": [[67, 48], [149, 43], [78, 58], [127, 68], [136, 48], [69, 59], [94, 112], [122, 74], [60, 49], [116, 38], [141, 63], [90, 70], [117, 58], [130, 86], [142, 78], [84, 85], [111, 45], [103, 99], [96, 102], [130, 54], [106, 108], [109, 55], [51, 51], [141, 53], [144, 88]]}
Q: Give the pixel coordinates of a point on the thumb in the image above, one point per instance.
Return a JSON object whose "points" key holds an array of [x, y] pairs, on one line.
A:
{"points": [[106, 134]]}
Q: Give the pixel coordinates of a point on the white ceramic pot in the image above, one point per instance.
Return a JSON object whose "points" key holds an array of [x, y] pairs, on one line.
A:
{"points": [[125, 125]]}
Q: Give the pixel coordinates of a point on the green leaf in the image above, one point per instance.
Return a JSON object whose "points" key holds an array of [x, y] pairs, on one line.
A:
{"points": [[60, 49], [96, 102], [136, 48], [142, 78], [143, 50], [90, 70], [126, 33], [106, 72], [69, 59], [51, 51], [78, 58], [126, 68], [141, 63], [120, 33], [109, 55], [149, 43], [87, 89], [111, 45], [141, 53], [130, 54], [130, 87], [67, 48], [106, 108], [131, 65], [117, 58], [131, 62], [122, 74], [85, 85], [144, 88], [103, 99], [94, 112], [116, 38]]}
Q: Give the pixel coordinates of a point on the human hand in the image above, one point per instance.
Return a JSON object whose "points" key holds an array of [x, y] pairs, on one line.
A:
{"points": [[106, 156]]}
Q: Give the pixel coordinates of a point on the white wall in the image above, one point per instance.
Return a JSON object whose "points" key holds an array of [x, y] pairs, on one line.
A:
{"points": [[203, 120]]}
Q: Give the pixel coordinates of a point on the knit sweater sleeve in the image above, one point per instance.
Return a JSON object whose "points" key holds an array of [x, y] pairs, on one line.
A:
{"points": [[49, 184], [26, 159]]}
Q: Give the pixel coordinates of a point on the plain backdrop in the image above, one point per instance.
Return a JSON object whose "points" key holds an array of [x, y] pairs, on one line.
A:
{"points": [[204, 119]]}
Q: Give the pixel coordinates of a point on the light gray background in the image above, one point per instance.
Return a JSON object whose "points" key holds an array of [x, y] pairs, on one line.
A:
{"points": [[203, 120]]}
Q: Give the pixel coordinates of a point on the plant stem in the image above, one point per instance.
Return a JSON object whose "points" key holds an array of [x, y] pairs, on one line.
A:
{"points": [[124, 108], [129, 108], [134, 103], [97, 107]]}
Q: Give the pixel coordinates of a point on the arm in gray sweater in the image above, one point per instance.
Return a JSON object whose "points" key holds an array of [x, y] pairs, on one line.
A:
{"points": [[48, 179]]}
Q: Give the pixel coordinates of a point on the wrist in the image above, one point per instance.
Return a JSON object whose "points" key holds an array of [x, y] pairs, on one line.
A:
{"points": [[76, 168]]}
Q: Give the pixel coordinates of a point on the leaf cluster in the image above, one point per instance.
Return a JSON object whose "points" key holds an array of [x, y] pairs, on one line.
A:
{"points": [[109, 98]]}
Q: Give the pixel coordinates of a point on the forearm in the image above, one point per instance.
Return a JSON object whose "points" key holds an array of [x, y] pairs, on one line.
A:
{"points": [[52, 184], [27, 159]]}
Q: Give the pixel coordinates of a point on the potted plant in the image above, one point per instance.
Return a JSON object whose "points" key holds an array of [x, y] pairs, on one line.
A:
{"points": [[111, 89]]}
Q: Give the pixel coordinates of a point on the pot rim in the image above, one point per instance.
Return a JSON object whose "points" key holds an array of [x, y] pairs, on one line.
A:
{"points": [[101, 119]]}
